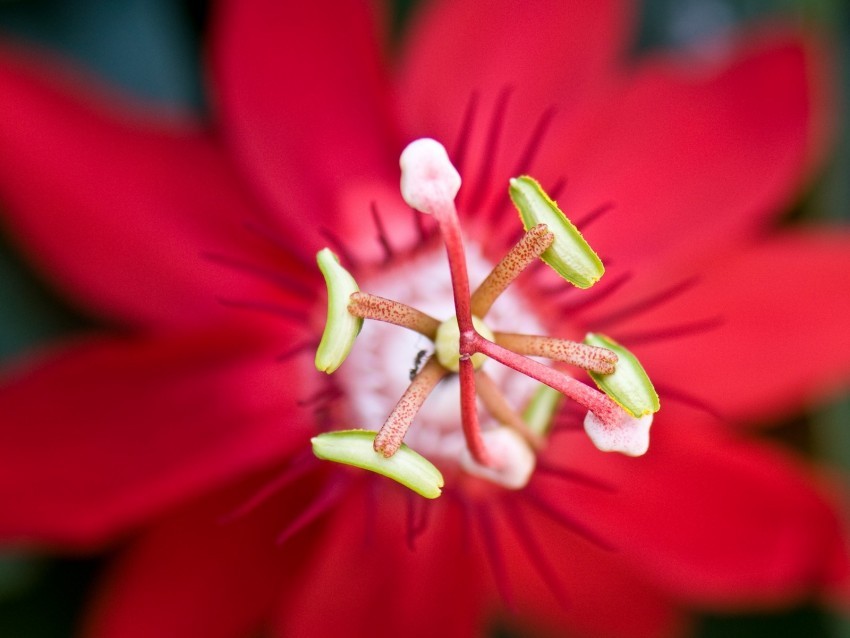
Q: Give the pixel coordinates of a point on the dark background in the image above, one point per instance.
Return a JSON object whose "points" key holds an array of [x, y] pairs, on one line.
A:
{"points": [[152, 48]]}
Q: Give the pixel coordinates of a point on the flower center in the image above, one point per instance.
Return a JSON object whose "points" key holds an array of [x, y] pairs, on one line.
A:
{"points": [[386, 358], [501, 449]]}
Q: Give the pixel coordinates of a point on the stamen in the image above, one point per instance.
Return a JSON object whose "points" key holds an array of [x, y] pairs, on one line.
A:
{"points": [[356, 448], [341, 328], [366, 306], [497, 405], [523, 254], [391, 434], [629, 385], [593, 358], [570, 255], [554, 192]]}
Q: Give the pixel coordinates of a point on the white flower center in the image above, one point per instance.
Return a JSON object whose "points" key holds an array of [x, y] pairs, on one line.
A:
{"points": [[379, 368]]}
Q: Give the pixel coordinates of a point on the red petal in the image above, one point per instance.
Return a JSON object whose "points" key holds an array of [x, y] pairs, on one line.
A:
{"points": [[592, 581], [116, 208], [302, 99], [695, 153], [548, 55], [783, 342], [102, 434], [711, 519], [193, 575], [364, 578]]}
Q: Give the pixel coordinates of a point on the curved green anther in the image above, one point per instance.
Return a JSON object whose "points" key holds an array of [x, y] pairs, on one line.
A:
{"points": [[341, 327], [628, 385], [355, 447], [569, 255]]}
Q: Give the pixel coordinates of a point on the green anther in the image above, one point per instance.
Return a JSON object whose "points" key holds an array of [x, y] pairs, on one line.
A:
{"points": [[629, 385], [355, 447], [569, 255], [541, 409], [341, 327]]}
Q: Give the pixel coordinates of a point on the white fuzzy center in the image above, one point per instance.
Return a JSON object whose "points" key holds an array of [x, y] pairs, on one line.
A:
{"points": [[378, 370]]}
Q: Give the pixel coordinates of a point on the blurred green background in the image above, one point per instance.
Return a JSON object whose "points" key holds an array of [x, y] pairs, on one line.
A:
{"points": [[152, 48]]}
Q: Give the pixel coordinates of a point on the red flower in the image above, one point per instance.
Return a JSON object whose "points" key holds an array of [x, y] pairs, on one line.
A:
{"points": [[177, 415]]}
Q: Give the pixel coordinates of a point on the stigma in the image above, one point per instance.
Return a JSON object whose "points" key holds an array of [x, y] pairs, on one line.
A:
{"points": [[501, 445]]}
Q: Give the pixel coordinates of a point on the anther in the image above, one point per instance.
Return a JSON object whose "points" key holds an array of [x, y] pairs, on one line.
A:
{"points": [[341, 328], [570, 255]]}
